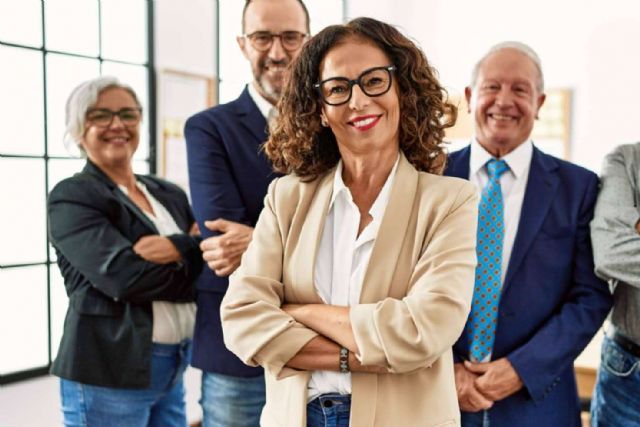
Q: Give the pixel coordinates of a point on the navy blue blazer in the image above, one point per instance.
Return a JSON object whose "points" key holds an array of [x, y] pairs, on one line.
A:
{"points": [[552, 303], [228, 178]]}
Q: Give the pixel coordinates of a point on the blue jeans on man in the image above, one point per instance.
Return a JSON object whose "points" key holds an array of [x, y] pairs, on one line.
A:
{"points": [[231, 401], [160, 405], [616, 398]]}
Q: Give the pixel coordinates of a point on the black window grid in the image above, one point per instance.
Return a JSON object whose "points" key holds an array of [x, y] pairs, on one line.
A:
{"points": [[151, 159]]}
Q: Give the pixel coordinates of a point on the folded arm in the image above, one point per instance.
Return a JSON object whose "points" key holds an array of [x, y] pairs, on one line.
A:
{"points": [[78, 220], [614, 229]]}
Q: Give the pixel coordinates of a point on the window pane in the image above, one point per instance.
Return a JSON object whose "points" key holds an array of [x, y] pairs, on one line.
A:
{"points": [[23, 221], [64, 73], [60, 169], [72, 26], [21, 22], [136, 77], [124, 30], [21, 102], [141, 167], [59, 304], [23, 319]]}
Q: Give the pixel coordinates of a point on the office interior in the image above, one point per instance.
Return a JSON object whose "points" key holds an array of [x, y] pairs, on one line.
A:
{"points": [[181, 56]]}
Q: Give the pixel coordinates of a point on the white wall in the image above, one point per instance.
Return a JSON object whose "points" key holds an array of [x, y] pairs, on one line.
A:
{"points": [[587, 46]]}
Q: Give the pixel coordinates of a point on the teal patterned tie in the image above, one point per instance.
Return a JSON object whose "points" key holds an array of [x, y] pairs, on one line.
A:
{"points": [[481, 326]]}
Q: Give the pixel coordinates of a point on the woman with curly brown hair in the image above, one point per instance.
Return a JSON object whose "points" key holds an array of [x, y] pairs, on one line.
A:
{"points": [[359, 276]]}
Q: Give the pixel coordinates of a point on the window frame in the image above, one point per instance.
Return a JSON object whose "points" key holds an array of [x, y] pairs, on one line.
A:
{"points": [[37, 371]]}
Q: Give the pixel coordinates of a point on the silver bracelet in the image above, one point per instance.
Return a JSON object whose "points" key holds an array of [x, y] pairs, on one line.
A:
{"points": [[344, 360]]}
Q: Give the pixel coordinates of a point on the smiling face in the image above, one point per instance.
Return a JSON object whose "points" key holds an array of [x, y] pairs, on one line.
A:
{"points": [[113, 145], [268, 67], [364, 124], [505, 100]]}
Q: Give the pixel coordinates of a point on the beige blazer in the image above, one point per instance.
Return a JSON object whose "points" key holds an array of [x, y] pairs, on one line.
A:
{"points": [[415, 298]]}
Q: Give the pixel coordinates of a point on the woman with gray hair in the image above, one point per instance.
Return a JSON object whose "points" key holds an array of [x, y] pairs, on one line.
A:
{"points": [[127, 250]]}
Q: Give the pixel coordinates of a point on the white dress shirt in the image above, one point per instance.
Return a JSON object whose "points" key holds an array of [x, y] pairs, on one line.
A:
{"points": [[172, 322], [513, 184], [341, 263], [263, 105]]}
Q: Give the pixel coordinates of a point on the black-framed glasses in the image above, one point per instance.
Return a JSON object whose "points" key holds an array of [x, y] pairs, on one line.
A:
{"points": [[373, 82], [103, 117], [262, 40]]}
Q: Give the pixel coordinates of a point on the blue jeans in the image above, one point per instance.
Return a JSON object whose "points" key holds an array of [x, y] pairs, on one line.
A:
{"points": [[161, 404], [475, 419], [616, 398], [329, 410], [231, 401]]}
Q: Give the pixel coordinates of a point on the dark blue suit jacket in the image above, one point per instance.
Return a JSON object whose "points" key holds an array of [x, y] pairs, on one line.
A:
{"points": [[228, 178], [552, 303]]}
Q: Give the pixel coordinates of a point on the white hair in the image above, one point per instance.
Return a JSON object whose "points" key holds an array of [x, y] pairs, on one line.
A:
{"points": [[517, 46], [81, 99]]}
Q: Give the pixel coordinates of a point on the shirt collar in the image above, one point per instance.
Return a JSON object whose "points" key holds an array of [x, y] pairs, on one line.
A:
{"points": [[263, 105], [518, 160], [378, 207]]}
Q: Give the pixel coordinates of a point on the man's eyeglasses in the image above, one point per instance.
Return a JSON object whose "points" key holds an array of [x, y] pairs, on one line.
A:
{"points": [[103, 118], [262, 40], [373, 82]]}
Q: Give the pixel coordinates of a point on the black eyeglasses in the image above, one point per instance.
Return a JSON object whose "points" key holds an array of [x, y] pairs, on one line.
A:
{"points": [[103, 118], [262, 40], [373, 82]]}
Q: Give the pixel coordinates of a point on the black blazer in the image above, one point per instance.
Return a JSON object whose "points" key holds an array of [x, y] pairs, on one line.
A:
{"points": [[93, 227]]}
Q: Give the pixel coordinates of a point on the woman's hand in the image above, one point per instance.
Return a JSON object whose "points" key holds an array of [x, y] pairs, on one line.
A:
{"points": [[158, 249]]}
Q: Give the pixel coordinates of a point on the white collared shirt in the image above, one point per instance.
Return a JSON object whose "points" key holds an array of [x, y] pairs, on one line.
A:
{"points": [[341, 263], [172, 322], [263, 105], [513, 184]]}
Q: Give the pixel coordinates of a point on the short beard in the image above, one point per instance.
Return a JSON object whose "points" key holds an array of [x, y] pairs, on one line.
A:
{"points": [[268, 91]]}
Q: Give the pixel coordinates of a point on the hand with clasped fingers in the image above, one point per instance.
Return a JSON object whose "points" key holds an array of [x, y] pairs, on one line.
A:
{"points": [[479, 385]]}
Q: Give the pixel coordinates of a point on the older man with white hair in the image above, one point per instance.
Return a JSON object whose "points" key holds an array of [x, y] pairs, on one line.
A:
{"points": [[537, 301]]}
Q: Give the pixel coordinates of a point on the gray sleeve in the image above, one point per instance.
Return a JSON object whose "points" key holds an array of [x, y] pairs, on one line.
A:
{"points": [[616, 243]]}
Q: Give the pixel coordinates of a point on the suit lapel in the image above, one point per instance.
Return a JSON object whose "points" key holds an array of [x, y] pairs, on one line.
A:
{"points": [[251, 117], [541, 189], [168, 200], [303, 266], [95, 171], [381, 267], [458, 165]]}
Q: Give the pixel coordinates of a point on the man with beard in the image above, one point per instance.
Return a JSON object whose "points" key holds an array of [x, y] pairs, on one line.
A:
{"points": [[228, 178]]}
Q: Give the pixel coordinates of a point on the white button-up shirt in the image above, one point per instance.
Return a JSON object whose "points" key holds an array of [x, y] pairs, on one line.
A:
{"points": [[341, 263], [513, 184], [172, 322]]}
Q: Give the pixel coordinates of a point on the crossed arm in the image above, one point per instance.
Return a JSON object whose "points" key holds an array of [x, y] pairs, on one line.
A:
{"points": [[333, 325]]}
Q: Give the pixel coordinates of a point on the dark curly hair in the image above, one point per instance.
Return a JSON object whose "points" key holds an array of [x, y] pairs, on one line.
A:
{"points": [[299, 144]]}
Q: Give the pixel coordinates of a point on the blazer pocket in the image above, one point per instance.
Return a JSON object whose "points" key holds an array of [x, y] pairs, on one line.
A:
{"points": [[95, 304]]}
